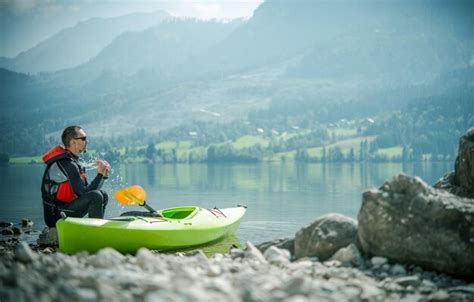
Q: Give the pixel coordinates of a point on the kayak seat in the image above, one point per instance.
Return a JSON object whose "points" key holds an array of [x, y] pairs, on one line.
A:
{"points": [[141, 213]]}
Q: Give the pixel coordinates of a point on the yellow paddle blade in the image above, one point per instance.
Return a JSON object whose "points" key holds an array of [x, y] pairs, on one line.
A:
{"points": [[131, 195]]}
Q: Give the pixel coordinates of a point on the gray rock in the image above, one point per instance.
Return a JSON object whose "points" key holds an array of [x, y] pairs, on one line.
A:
{"points": [[194, 253], [398, 269], [251, 252], [236, 253], [464, 166], [349, 256], [85, 294], [26, 223], [47, 250], [297, 285], [468, 289], [332, 263], [4, 224], [461, 181], [283, 243], [106, 258], [407, 221], [48, 237], [325, 236], [408, 280], [16, 231], [146, 258], [440, 295], [23, 253], [275, 255], [378, 261], [427, 287], [7, 232]]}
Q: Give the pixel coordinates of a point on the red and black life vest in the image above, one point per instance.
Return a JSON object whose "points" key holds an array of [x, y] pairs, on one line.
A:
{"points": [[56, 185]]}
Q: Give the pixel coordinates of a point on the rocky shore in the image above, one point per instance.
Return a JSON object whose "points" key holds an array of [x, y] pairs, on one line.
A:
{"points": [[241, 275], [410, 242]]}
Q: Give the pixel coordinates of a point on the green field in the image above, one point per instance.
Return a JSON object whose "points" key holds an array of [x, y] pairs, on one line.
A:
{"points": [[248, 141], [26, 160], [343, 132], [390, 152]]}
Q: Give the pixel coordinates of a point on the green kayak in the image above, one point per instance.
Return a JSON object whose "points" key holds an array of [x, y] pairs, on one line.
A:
{"points": [[177, 228]]}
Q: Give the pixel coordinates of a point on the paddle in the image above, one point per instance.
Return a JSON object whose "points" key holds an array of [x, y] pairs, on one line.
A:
{"points": [[133, 195]]}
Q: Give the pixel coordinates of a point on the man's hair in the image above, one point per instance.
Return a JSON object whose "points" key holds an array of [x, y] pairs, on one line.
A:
{"points": [[69, 133]]}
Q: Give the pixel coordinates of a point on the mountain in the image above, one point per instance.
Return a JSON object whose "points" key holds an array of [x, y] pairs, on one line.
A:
{"points": [[301, 60], [330, 39], [159, 49], [401, 44], [75, 45]]}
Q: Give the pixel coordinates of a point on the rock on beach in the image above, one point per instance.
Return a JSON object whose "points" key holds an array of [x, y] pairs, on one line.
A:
{"points": [[407, 221], [325, 236]]}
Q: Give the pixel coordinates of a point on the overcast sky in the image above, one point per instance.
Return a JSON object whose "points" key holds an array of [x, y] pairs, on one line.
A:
{"points": [[24, 23]]}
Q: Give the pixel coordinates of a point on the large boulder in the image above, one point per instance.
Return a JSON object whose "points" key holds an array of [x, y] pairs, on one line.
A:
{"points": [[325, 236], [461, 181], [408, 221]]}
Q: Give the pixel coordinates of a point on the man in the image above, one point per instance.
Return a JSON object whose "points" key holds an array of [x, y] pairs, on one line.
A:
{"points": [[65, 187]]}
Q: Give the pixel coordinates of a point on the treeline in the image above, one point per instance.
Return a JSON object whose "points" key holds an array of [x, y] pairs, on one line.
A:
{"points": [[428, 126], [367, 152]]}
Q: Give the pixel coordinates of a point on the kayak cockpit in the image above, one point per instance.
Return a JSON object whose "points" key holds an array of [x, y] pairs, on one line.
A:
{"points": [[180, 212]]}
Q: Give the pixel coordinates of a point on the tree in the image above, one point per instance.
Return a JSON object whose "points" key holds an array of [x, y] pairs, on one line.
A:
{"points": [[4, 158], [150, 151], [351, 156], [302, 155], [324, 156]]}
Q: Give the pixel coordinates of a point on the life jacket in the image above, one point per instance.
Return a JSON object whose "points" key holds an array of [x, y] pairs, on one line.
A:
{"points": [[56, 185]]}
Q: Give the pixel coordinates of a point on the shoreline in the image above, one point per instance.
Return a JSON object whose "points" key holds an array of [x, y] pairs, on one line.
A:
{"points": [[240, 275], [265, 272]]}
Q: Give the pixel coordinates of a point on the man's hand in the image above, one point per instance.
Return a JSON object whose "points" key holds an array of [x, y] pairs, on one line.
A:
{"points": [[103, 167]]}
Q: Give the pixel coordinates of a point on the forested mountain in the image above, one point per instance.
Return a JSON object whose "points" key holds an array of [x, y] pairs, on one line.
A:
{"points": [[75, 45], [300, 63]]}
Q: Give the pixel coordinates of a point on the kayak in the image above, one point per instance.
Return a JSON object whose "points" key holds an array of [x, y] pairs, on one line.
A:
{"points": [[179, 227]]}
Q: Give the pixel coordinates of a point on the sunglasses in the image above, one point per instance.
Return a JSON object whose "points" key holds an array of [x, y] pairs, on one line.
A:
{"points": [[84, 138]]}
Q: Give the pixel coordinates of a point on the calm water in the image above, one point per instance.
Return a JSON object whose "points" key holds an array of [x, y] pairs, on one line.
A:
{"points": [[281, 197]]}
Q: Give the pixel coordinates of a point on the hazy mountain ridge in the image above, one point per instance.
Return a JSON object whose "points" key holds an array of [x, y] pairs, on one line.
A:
{"points": [[156, 51], [75, 45]]}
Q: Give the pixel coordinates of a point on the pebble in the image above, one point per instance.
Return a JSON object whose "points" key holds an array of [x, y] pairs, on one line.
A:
{"points": [[26, 223], [378, 261], [252, 252], [23, 253], [440, 295], [277, 256], [7, 232], [349, 256], [16, 231], [4, 224], [398, 269], [408, 281], [241, 275], [47, 250], [236, 253]]}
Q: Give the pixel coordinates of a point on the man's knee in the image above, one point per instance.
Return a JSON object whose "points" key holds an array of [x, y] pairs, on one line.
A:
{"points": [[105, 197], [96, 197]]}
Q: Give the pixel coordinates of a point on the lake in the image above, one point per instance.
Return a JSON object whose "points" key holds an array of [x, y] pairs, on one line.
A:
{"points": [[281, 197]]}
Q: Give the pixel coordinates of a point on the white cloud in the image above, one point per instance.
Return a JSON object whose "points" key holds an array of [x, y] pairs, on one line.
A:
{"points": [[203, 9]]}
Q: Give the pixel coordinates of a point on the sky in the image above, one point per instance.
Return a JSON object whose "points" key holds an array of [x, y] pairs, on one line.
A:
{"points": [[25, 23]]}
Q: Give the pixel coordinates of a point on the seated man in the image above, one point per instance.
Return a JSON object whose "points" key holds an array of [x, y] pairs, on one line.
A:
{"points": [[65, 187]]}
